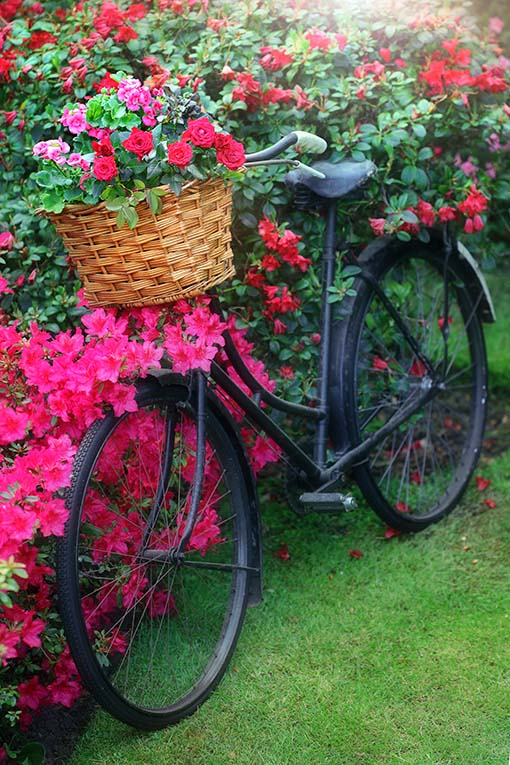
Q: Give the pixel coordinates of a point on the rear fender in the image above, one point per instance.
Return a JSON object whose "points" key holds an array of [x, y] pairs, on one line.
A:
{"points": [[166, 377], [474, 278]]}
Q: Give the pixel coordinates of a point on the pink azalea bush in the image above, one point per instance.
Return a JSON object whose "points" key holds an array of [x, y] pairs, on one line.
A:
{"points": [[52, 388]]}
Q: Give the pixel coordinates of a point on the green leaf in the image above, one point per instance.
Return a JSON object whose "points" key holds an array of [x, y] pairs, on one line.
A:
{"points": [[154, 201], [32, 753], [408, 174], [52, 202], [425, 153], [422, 179], [131, 216], [409, 217], [115, 204], [419, 130]]}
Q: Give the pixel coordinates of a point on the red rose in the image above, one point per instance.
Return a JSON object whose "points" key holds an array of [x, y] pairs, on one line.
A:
{"points": [[200, 132], [180, 153], [229, 152], [140, 142], [105, 168], [103, 147]]}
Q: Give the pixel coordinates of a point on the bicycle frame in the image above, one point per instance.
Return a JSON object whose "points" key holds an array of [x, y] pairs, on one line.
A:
{"points": [[314, 468]]}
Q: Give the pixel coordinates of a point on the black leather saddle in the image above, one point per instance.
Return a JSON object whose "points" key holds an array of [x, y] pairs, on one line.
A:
{"points": [[340, 178]]}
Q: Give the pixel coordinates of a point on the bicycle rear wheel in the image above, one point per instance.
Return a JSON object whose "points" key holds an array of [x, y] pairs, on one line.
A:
{"points": [[152, 637], [416, 475]]}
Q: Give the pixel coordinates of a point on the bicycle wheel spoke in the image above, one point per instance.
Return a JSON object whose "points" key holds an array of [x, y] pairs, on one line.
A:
{"points": [[416, 474]]}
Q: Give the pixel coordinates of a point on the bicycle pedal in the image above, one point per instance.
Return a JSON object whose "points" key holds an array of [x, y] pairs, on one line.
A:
{"points": [[327, 502]]}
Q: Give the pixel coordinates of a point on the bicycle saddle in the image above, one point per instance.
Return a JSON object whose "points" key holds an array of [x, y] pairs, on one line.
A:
{"points": [[341, 177]]}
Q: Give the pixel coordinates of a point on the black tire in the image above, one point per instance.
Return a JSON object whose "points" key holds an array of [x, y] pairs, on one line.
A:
{"points": [[418, 474], [151, 640]]}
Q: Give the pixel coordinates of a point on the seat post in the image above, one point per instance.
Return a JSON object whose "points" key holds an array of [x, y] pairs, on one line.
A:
{"points": [[328, 276]]}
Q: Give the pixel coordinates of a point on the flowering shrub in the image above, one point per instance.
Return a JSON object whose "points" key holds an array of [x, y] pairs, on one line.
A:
{"points": [[128, 142], [424, 96], [52, 388]]}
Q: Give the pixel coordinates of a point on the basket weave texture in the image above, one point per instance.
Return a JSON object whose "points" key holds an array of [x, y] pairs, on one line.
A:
{"points": [[179, 253]]}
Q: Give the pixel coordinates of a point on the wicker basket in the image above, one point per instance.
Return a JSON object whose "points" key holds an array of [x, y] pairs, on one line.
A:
{"points": [[180, 253]]}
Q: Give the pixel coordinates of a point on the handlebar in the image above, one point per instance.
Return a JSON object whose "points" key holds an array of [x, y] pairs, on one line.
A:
{"points": [[306, 141]]}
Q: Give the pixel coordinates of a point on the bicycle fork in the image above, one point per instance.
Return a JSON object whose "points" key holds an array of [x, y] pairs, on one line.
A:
{"points": [[177, 553]]}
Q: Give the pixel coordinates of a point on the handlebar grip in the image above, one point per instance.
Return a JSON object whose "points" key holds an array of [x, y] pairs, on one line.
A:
{"points": [[305, 141], [310, 142]]}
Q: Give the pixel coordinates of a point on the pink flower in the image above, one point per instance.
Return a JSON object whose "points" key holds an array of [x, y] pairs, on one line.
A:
{"points": [[377, 225], [496, 25], [74, 119], [13, 424], [31, 694]]}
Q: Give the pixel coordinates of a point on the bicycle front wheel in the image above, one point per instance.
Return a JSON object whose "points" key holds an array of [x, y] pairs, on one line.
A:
{"points": [[152, 633], [416, 475]]}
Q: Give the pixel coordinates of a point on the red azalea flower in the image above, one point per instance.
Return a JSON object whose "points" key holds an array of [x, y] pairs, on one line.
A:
{"points": [[379, 364], [125, 34], [418, 368], [482, 483], [440, 322], [426, 213], [447, 213], [390, 532], [282, 552], [377, 225], [287, 373], [38, 39], [273, 59], [475, 202]]}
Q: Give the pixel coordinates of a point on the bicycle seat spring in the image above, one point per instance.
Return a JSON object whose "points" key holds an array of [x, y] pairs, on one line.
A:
{"points": [[304, 199]]}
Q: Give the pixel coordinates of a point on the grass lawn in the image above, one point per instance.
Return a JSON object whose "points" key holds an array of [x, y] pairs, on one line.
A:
{"points": [[401, 656]]}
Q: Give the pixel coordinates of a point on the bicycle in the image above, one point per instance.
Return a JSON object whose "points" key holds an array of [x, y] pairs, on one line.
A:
{"points": [[162, 551]]}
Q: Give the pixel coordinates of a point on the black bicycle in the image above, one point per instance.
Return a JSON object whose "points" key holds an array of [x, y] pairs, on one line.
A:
{"points": [[162, 550]]}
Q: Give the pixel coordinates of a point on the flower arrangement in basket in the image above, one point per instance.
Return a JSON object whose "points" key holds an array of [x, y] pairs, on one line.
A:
{"points": [[139, 193]]}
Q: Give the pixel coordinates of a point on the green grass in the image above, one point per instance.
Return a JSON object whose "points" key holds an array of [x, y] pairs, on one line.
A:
{"points": [[498, 335], [401, 657]]}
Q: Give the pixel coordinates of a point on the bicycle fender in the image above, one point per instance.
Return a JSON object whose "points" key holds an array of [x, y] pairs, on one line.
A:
{"points": [[488, 313], [167, 377], [474, 278]]}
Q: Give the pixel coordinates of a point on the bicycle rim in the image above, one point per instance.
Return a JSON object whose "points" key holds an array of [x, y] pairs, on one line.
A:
{"points": [[152, 638], [417, 474]]}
